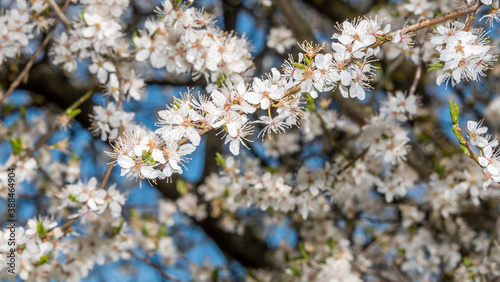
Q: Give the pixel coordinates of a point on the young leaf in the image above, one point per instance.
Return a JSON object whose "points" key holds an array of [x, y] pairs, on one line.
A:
{"points": [[73, 113], [17, 145], [181, 187], [454, 112], [220, 160], [438, 65], [40, 229]]}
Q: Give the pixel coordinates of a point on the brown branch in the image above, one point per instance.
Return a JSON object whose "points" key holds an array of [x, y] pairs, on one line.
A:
{"points": [[493, 237], [60, 14], [155, 266], [301, 28], [430, 22], [56, 125], [31, 61], [418, 72], [121, 99], [353, 161], [107, 174]]}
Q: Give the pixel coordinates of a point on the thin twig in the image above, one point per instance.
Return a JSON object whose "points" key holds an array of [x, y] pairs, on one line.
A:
{"points": [[155, 266], [107, 174], [121, 99], [28, 66], [64, 227], [418, 72], [329, 133], [493, 237], [56, 125], [60, 14], [469, 21], [353, 161], [31, 61], [430, 22]]}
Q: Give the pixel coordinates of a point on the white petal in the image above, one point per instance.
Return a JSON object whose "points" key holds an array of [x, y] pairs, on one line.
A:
{"points": [[234, 147], [125, 161], [158, 156], [345, 78], [149, 172]]}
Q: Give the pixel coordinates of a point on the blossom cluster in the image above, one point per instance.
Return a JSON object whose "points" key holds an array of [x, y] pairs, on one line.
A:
{"points": [[353, 55], [97, 36], [281, 39], [90, 199], [489, 156], [141, 154], [307, 191], [383, 135], [107, 122], [227, 107], [463, 53], [16, 29], [185, 39], [46, 250]]}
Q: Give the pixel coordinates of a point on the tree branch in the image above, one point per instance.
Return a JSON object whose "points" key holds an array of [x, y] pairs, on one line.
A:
{"points": [[31, 61]]}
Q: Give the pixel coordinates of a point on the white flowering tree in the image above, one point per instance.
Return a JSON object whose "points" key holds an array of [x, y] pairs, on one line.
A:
{"points": [[355, 142]]}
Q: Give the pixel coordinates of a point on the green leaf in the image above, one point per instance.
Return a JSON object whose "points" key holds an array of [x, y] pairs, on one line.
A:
{"points": [[251, 275], [134, 35], [116, 230], [307, 60], [439, 169], [298, 65], [458, 133], [221, 80], [271, 169], [73, 113], [295, 272], [310, 106], [22, 110], [181, 186], [74, 157], [331, 244], [464, 149], [220, 160], [148, 158], [43, 259], [162, 231], [454, 112], [40, 229], [302, 250], [467, 262], [177, 104], [438, 65], [7, 109], [215, 275], [83, 18], [73, 198], [17, 145], [144, 230]]}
